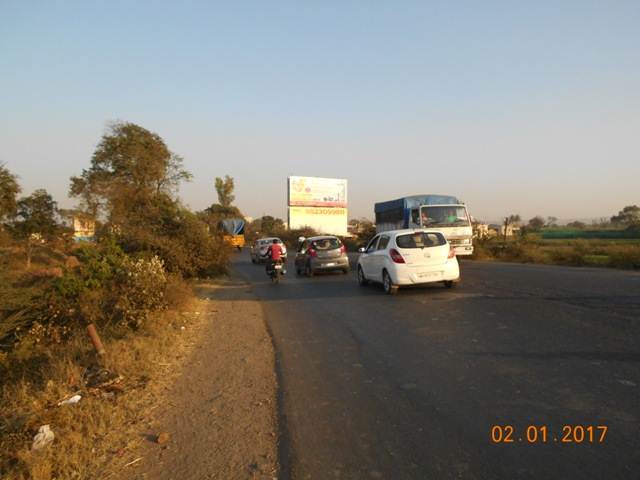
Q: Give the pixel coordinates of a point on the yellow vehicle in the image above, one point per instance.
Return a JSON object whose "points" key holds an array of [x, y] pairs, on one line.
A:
{"points": [[234, 240], [233, 232]]}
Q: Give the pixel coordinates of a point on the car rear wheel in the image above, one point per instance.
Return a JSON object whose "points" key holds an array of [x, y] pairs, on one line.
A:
{"points": [[309, 272], [387, 284], [362, 280]]}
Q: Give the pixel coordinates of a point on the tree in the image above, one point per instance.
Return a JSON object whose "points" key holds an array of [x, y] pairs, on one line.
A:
{"points": [[629, 215], [225, 190], [270, 225], [36, 218], [577, 224], [215, 213], [223, 212], [363, 229], [9, 190], [536, 223], [551, 221], [510, 220], [130, 166], [132, 181]]}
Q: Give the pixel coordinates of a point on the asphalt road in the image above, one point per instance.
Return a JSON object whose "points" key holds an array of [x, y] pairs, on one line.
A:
{"points": [[410, 386]]}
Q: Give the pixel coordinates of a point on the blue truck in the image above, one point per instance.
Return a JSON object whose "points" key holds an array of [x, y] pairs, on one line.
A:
{"points": [[440, 212]]}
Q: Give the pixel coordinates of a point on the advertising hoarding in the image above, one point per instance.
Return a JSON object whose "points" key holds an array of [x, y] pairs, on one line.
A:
{"points": [[329, 220], [317, 192]]}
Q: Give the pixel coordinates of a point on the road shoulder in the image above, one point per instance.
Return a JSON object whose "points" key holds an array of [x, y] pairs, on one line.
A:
{"points": [[220, 412]]}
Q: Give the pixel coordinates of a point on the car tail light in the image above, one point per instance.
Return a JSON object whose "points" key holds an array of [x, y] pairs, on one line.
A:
{"points": [[312, 252], [395, 256], [452, 251], [343, 249]]}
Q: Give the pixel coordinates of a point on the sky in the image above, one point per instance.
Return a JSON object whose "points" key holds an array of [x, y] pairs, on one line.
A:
{"points": [[513, 107]]}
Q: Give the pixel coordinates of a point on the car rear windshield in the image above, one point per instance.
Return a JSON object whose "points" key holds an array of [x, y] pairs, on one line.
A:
{"points": [[420, 240], [326, 244]]}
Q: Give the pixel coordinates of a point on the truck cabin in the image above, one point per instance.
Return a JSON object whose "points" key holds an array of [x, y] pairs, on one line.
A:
{"points": [[433, 216]]}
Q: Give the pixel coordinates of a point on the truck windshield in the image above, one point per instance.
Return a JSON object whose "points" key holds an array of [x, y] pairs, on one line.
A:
{"points": [[444, 216]]}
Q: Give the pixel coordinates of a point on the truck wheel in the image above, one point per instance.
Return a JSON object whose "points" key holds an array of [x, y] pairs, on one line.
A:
{"points": [[449, 283], [387, 284]]}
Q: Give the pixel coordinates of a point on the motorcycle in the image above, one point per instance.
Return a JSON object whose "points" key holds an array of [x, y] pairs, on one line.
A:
{"points": [[275, 271]]}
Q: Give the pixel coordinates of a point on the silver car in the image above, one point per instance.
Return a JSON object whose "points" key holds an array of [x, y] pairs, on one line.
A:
{"points": [[260, 247], [321, 254]]}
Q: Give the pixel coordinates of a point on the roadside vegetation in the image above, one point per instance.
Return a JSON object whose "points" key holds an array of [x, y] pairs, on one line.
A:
{"points": [[613, 242], [131, 282], [268, 226]]}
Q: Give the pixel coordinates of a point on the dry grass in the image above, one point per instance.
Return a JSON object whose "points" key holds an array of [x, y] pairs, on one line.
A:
{"points": [[99, 429], [578, 252]]}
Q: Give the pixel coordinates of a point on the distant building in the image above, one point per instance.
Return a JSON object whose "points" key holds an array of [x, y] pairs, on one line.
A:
{"points": [[495, 230], [481, 230]]}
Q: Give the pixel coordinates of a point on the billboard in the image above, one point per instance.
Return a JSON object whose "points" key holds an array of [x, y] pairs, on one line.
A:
{"points": [[317, 192], [330, 220]]}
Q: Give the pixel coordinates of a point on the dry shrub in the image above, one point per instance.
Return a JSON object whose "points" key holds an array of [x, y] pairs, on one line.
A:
{"points": [[481, 250], [177, 292], [181, 240], [624, 256], [575, 253], [90, 434], [139, 287]]}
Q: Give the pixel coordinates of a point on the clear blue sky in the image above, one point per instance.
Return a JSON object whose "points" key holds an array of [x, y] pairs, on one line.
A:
{"points": [[525, 107]]}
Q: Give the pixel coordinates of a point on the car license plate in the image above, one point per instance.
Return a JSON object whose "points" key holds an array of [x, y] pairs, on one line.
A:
{"points": [[331, 264], [278, 267], [428, 274]]}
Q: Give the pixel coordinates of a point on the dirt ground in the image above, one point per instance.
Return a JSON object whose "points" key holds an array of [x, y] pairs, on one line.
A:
{"points": [[218, 402]]}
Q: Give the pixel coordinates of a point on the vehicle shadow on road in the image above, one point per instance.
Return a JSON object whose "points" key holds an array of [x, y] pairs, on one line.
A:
{"points": [[327, 287]]}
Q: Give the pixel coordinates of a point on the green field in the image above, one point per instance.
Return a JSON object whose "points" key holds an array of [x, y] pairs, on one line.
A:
{"points": [[591, 234]]}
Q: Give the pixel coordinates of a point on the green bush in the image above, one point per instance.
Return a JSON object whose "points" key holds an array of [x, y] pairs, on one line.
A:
{"points": [[182, 241], [109, 288]]}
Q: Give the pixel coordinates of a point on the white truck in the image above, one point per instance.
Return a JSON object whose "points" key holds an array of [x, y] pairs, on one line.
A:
{"points": [[441, 212]]}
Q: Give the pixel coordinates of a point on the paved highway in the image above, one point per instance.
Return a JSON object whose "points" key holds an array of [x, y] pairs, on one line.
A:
{"points": [[410, 386]]}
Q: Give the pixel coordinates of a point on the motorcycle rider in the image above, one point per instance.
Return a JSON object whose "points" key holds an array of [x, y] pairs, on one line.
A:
{"points": [[273, 254]]}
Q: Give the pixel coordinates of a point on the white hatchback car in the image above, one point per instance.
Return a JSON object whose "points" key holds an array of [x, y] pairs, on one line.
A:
{"points": [[408, 257], [260, 247]]}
